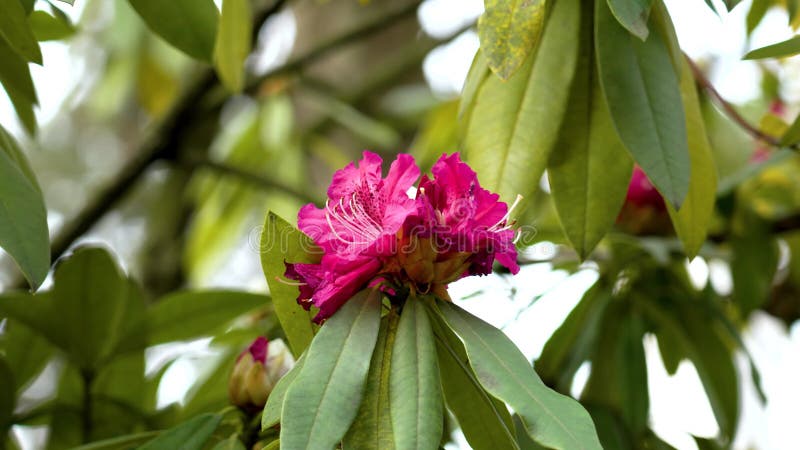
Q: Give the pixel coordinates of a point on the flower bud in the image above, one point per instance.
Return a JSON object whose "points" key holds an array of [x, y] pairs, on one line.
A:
{"points": [[256, 372]]}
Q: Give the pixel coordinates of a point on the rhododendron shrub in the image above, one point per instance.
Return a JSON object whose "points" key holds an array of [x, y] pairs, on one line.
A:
{"points": [[391, 341]]}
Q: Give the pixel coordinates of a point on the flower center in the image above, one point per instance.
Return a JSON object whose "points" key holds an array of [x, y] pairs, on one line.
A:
{"points": [[355, 219]]}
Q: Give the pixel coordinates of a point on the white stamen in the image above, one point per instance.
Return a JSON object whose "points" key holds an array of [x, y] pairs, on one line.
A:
{"points": [[505, 217], [290, 283]]}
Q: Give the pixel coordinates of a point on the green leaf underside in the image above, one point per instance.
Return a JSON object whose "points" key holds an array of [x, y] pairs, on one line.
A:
{"points": [[710, 356], [643, 95], [509, 31], [633, 15], [189, 25], [323, 400], [589, 173], [193, 314], [23, 217], [49, 28], [372, 428], [15, 74], [552, 419], [233, 42], [190, 435], [274, 406], [415, 390], [514, 124], [692, 221], [282, 242], [14, 30], [782, 49], [483, 419]]}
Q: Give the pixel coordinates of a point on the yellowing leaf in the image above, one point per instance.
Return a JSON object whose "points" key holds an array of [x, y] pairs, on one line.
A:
{"points": [[509, 31]]}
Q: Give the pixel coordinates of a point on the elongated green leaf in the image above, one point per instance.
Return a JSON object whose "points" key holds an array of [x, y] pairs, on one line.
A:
{"points": [[484, 420], [553, 420], [415, 388], [190, 435], [613, 433], [232, 443], [26, 351], [272, 410], [24, 109], [194, 314], [15, 74], [633, 15], [323, 400], [121, 443], [509, 31], [15, 31], [49, 28], [571, 344], [691, 222], [23, 217], [782, 49], [8, 395], [372, 428], [589, 173], [280, 243], [478, 72], [709, 355], [96, 305], [756, 13], [233, 42], [643, 96], [514, 124], [189, 25], [792, 135]]}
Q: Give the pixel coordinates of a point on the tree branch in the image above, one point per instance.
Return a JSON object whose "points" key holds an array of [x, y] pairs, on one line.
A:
{"points": [[731, 112], [255, 179]]}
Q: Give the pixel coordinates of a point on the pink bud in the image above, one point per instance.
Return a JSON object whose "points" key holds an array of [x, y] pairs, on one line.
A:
{"points": [[256, 372]]}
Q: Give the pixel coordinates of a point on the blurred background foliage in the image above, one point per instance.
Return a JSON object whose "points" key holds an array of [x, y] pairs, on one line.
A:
{"points": [[153, 144]]}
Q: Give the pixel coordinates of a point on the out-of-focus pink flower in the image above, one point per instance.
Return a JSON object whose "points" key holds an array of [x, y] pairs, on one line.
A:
{"points": [[258, 368], [644, 211], [374, 233], [642, 193]]}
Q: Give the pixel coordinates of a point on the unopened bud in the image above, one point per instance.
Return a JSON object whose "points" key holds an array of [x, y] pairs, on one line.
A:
{"points": [[256, 372]]}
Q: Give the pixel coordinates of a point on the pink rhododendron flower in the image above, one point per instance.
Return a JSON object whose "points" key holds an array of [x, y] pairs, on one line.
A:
{"points": [[374, 233], [256, 372]]}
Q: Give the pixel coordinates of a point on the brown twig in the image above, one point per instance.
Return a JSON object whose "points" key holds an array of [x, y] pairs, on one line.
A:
{"points": [[731, 112]]}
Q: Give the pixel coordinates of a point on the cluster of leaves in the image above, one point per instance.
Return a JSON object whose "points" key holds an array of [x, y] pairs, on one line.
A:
{"points": [[377, 375], [91, 331]]}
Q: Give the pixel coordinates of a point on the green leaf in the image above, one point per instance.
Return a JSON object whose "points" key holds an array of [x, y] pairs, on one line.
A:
{"points": [[188, 315], [643, 95], [484, 420], [552, 419], [633, 15], [272, 410], [15, 73], [24, 108], [49, 28], [28, 5], [514, 124], [478, 72], [233, 42], [190, 435], [69, 2], [756, 13], [232, 443], [691, 222], [571, 344], [415, 388], [15, 31], [324, 399], [782, 49], [94, 305], [281, 242], [709, 355], [121, 443], [189, 25], [509, 31], [372, 428], [612, 431], [8, 395], [589, 173], [23, 216], [26, 351], [792, 135], [753, 267]]}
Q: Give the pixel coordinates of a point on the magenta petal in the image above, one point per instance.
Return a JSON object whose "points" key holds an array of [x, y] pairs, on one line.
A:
{"points": [[403, 173], [346, 180]]}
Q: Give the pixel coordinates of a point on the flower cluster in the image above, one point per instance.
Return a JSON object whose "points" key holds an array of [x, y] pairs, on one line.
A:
{"points": [[386, 232]]}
